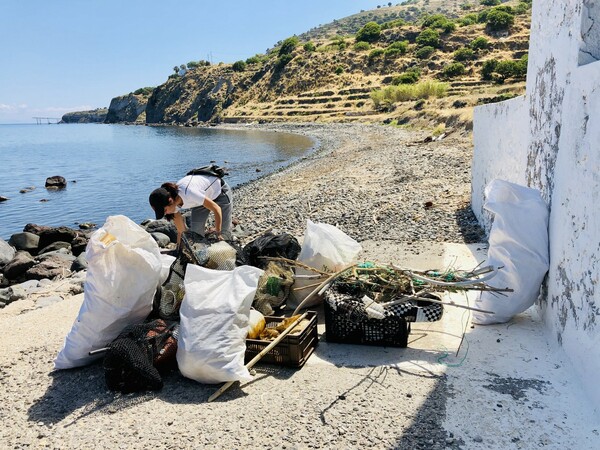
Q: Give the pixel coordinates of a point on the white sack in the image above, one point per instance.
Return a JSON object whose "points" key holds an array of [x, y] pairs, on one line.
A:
{"points": [[214, 323], [519, 242], [326, 248], [124, 266]]}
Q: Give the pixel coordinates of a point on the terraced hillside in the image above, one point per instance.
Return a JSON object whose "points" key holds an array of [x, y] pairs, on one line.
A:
{"points": [[403, 64]]}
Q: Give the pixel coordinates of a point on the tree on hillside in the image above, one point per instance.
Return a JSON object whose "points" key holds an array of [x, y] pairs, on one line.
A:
{"points": [[369, 33], [288, 45]]}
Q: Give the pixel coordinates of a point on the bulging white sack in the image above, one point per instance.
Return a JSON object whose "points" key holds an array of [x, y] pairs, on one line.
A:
{"points": [[214, 323], [518, 241], [124, 267], [326, 248]]}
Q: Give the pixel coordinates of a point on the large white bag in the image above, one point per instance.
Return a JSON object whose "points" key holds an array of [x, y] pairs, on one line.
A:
{"points": [[214, 323], [519, 242], [124, 266], [326, 248]]}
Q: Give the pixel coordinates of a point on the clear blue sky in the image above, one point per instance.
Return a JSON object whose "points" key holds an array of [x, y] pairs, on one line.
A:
{"points": [[70, 55]]}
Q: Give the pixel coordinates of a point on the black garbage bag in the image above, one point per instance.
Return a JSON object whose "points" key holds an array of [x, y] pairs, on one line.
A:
{"points": [[281, 245]]}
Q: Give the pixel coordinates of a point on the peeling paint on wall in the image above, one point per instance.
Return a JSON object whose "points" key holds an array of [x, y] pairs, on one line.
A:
{"points": [[545, 113]]}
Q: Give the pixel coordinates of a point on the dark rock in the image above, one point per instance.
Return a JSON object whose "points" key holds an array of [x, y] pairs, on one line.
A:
{"points": [[52, 235], [44, 200], [78, 245], [35, 229], [19, 265], [25, 241], [163, 226], [161, 239], [56, 182], [3, 199], [55, 246], [51, 267], [87, 225], [5, 296], [27, 189], [7, 253], [79, 264], [61, 253], [3, 281]]}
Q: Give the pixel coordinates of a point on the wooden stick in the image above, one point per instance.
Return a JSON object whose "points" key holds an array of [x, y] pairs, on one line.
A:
{"points": [[262, 353]]}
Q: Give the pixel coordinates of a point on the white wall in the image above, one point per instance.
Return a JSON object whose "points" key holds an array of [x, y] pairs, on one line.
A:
{"points": [[559, 154]]}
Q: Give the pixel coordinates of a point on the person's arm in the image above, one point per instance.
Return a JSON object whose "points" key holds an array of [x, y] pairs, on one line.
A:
{"points": [[216, 210], [179, 222]]}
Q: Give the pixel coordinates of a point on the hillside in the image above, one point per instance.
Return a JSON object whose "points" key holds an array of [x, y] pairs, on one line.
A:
{"points": [[412, 66]]}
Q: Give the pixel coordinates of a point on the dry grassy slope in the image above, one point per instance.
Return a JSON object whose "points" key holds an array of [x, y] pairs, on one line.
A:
{"points": [[308, 89]]}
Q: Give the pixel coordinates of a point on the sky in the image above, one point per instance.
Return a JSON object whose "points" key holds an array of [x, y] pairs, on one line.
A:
{"points": [[72, 55]]}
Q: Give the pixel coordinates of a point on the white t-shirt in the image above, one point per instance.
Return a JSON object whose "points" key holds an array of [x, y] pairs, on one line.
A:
{"points": [[193, 189]]}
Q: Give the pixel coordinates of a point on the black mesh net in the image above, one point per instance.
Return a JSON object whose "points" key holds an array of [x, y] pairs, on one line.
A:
{"points": [[132, 360]]}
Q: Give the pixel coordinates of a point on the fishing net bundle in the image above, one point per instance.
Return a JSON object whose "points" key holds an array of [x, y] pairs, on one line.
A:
{"points": [[273, 289], [133, 360]]}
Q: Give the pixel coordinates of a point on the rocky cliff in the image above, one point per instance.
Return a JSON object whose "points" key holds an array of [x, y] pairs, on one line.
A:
{"points": [[127, 108], [95, 116]]}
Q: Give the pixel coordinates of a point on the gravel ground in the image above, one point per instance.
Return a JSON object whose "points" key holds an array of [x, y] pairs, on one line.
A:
{"points": [[376, 183], [373, 182]]}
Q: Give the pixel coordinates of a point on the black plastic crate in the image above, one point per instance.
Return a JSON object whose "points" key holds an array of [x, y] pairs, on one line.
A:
{"points": [[340, 327], [293, 350]]}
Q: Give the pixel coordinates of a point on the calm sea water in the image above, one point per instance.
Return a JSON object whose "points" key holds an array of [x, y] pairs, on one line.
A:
{"points": [[111, 169]]}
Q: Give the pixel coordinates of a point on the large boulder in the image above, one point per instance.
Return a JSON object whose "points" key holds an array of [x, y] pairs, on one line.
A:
{"points": [[56, 182], [163, 226], [25, 241], [52, 266], [79, 264], [35, 229], [161, 239], [7, 253], [55, 234], [55, 246], [78, 245], [19, 265]]}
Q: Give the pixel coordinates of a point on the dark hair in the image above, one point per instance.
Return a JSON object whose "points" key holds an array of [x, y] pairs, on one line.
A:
{"points": [[171, 188], [173, 191]]}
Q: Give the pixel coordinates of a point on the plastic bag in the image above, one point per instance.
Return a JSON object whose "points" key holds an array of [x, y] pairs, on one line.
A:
{"points": [[276, 245], [326, 248], [124, 268], [519, 242], [214, 323]]}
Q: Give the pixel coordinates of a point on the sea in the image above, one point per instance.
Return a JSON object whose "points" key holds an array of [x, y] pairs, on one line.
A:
{"points": [[111, 169]]}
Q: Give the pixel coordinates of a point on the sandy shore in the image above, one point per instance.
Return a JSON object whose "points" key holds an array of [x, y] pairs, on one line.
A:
{"points": [[407, 202]]}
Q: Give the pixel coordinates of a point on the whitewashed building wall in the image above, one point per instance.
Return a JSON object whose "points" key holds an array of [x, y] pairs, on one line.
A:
{"points": [[549, 139]]}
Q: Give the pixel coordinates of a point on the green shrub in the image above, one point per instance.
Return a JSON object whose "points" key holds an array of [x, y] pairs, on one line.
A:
{"points": [[144, 91], [479, 43], [239, 66], [428, 38], [393, 24], [482, 16], [309, 47], [362, 46], [464, 54], [453, 70], [256, 59], [498, 20], [396, 49], [489, 2], [424, 52], [408, 77], [522, 8], [438, 21], [469, 19], [283, 60], [370, 32], [288, 46], [339, 70], [375, 53], [487, 69]]}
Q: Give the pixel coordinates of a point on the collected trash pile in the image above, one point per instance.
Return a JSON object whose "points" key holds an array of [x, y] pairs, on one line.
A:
{"points": [[210, 311]]}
